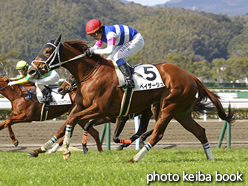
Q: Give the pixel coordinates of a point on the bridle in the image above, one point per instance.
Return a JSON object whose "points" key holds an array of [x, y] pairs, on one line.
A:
{"points": [[55, 60], [72, 83]]}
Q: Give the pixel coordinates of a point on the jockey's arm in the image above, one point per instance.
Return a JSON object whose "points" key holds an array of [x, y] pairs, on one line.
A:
{"points": [[20, 81], [16, 78], [111, 38], [108, 50], [13, 79]]}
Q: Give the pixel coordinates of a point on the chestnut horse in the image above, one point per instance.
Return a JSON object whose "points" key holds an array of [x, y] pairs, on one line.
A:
{"points": [[26, 108], [98, 95], [70, 84]]}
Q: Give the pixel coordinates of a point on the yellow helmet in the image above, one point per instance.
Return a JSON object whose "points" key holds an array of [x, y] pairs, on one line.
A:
{"points": [[21, 64]]}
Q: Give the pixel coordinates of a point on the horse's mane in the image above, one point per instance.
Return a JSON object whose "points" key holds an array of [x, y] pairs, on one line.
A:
{"points": [[77, 44], [80, 46]]}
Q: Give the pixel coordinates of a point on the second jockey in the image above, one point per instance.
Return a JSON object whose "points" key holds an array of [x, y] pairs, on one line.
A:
{"points": [[47, 79]]}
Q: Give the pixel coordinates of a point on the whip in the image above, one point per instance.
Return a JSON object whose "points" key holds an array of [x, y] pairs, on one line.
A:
{"points": [[6, 72], [69, 29]]}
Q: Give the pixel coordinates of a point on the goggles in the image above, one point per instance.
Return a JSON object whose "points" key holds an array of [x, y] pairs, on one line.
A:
{"points": [[20, 71], [94, 34]]}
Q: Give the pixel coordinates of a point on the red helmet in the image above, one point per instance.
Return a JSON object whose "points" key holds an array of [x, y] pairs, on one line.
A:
{"points": [[92, 26]]}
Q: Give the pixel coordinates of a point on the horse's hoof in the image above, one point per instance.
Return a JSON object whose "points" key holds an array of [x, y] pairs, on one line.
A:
{"points": [[33, 154], [66, 156], [16, 143], [130, 161], [119, 147], [85, 149]]}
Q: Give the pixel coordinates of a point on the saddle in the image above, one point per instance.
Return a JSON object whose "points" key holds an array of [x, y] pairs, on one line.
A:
{"points": [[57, 100]]}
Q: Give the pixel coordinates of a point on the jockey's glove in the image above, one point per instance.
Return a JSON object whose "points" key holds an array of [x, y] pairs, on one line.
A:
{"points": [[89, 51], [11, 83]]}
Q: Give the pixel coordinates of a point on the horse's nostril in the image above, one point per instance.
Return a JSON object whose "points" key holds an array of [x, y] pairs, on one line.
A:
{"points": [[31, 72]]}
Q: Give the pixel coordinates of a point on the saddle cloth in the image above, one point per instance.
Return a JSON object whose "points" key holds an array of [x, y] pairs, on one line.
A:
{"points": [[146, 77], [58, 99]]}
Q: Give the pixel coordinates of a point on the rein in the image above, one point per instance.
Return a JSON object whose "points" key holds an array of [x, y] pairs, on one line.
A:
{"points": [[30, 92], [56, 52], [4, 87], [52, 58], [87, 75]]}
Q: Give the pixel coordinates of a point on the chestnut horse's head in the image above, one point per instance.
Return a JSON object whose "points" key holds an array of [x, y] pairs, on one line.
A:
{"points": [[49, 58], [68, 85]]}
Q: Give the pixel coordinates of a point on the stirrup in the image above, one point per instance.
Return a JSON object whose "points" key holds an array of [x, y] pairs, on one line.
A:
{"points": [[46, 99], [129, 84]]}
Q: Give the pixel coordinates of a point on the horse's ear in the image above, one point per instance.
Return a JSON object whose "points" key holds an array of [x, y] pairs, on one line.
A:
{"points": [[48, 39], [56, 42]]}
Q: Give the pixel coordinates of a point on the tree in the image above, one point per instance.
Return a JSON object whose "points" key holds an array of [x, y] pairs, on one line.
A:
{"points": [[202, 69], [218, 69]]}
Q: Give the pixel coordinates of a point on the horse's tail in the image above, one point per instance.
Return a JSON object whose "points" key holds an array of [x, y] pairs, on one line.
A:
{"points": [[204, 93]]}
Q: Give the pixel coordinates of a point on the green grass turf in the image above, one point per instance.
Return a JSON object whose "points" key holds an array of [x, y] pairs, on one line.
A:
{"points": [[108, 168]]}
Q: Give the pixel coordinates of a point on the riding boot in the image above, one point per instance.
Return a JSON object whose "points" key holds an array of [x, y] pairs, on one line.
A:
{"points": [[47, 97], [128, 76]]}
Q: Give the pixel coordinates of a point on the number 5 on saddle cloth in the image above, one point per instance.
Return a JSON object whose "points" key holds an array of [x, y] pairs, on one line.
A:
{"points": [[146, 77]]}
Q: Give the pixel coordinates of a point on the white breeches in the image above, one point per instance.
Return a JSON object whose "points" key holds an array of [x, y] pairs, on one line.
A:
{"points": [[128, 49]]}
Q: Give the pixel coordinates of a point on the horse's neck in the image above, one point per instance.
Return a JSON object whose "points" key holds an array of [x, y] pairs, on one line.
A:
{"points": [[73, 95], [10, 93], [81, 69]]}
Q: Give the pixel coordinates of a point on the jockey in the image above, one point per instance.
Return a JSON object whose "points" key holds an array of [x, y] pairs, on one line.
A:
{"points": [[126, 39], [47, 79]]}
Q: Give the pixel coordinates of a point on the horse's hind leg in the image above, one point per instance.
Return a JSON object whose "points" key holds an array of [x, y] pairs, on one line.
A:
{"points": [[12, 136], [189, 124], [164, 117], [6, 123], [10, 121], [144, 120]]}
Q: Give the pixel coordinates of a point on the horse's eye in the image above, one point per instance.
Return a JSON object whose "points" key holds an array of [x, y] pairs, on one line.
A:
{"points": [[48, 52]]}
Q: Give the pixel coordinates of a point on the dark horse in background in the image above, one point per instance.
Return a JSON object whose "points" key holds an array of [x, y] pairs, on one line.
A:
{"points": [[98, 95], [26, 108]]}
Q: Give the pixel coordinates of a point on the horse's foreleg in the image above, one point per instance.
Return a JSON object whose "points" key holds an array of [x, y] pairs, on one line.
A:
{"points": [[82, 116], [49, 143], [143, 138], [87, 128], [95, 134], [54, 149], [43, 148], [100, 121]]}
